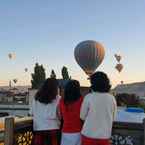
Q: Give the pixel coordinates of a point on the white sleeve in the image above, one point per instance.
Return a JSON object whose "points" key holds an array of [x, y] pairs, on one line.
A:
{"points": [[84, 108], [32, 107], [114, 108]]}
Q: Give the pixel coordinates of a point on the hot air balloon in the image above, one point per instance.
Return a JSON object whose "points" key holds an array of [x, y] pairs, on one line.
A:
{"points": [[26, 69], [122, 82], [118, 57], [89, 55], [119, 67], [15, 81], [12, 55]]}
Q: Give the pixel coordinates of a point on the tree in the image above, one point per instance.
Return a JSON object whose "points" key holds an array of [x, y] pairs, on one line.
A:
{"points": [[38, 77], [64, 73], [53, 75]]}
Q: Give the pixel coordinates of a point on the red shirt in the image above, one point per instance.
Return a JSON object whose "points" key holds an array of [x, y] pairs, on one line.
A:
{"points": [[71, 116]]}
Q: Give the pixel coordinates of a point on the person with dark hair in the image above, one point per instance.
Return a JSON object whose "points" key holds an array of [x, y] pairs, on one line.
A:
{"points": [[69, 110], [46, 123], [98, 111]]}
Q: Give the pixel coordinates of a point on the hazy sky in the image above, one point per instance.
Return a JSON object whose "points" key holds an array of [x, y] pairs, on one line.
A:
{"points": [[47, 31]]}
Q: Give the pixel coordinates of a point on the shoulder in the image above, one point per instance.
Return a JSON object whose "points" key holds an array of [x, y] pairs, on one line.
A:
{"points": [[88, 97], [37, 104], [58, 97], [111, 97], [33, 102], [56, 100]]}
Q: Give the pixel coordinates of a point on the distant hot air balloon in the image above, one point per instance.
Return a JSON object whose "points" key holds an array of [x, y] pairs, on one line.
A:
{"points": [[119, 67], [12, 55], [26, 69], [118, 57], [89, 55], [122, 82], [15, 81]]}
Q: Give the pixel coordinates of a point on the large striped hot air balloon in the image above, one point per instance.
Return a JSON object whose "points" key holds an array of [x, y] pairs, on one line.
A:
{"points": [[89, 55]]}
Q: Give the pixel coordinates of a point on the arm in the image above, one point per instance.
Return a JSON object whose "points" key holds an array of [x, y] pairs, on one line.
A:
{"points": [[114, 108], [32, 108], [84, 109], [59, 114], [58, 111]]}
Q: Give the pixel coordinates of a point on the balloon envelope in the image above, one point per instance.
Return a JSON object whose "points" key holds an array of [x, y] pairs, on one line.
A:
{"points": [[89, 55], [26, 69], [12, 55], [15, 81], [118, 57], [119, 67]]}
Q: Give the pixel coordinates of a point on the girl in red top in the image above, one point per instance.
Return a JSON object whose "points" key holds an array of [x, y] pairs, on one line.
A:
{"points": [[69, 109]]}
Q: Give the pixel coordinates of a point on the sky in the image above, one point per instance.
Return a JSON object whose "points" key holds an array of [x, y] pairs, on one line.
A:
{"points": [[47, 32]]}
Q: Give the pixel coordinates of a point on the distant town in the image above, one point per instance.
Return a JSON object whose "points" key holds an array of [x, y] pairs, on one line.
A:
{"points": [[17, 101]]}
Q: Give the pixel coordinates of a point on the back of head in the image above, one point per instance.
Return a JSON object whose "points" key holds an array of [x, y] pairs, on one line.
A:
{"points": [[48, 91], [100, 82], [72, 92]]}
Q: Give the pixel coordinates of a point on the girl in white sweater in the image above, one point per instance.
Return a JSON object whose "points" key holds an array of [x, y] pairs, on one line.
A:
{"points": [[98, 111], [46, 123]]}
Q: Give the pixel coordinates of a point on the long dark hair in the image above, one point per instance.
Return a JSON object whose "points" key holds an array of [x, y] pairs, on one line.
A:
{"points": [[48, 91], [72, 92], [100, 82]]}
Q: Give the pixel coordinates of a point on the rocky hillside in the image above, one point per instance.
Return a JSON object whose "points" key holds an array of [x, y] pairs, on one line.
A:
{"points": [[134, 88]]}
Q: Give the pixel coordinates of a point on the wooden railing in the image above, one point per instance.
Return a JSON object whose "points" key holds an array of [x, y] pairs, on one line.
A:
{"points": [[20, 133]]}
